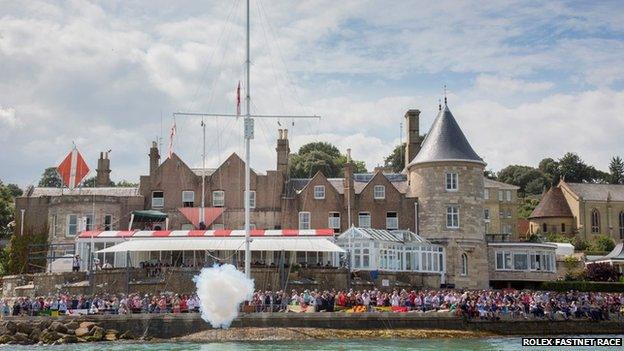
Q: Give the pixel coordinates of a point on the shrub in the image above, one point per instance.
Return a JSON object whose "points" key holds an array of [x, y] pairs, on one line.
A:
{"points": [[580, 244], [602, 272], [534, 238], [603, 243], [570, 262], [585, 286], [557, 238]]}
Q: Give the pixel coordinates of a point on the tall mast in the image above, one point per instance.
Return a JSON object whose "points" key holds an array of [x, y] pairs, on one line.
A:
{"points": [[248, 136], [202, 218]]}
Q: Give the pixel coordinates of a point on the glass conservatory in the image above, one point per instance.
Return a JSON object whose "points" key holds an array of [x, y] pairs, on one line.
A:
{"points": [[391, 250]]}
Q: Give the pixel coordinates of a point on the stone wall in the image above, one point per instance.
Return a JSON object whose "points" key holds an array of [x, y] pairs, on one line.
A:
{"points": [[167, 326]]}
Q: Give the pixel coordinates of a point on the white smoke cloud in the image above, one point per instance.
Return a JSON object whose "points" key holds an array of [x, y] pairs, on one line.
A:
{"points": [[221, 289]]}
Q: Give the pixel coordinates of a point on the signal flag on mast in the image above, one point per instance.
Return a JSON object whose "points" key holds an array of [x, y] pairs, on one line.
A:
{"points": [[73, 169], [238, 99], [172, 134]]}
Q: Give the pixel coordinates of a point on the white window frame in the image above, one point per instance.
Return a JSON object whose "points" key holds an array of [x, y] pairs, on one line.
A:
{"points": [[379, 192], [252, 199], [508, 195], [500, 196], [319, 192], [69, 225], [486, 194], [186, 197], [364, 215], [451, 181], [111, 227], [161, 202], [305, 218], [464, 265], [392, 223], [333, 222], [452, 210], [486, 214], [218, 198]]}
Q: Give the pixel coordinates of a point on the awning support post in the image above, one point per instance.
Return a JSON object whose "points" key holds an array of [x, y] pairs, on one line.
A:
{"points": [[131, 221]]}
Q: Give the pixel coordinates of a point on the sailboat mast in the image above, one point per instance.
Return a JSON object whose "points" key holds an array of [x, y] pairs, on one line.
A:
{"points": [[248, 125]]}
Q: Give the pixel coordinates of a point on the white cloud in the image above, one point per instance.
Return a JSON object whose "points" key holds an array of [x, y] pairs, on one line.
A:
{"points": [[7, 117]]}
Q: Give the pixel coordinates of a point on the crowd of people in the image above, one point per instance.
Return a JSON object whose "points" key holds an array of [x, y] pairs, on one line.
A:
{"points": [[469, 304]]}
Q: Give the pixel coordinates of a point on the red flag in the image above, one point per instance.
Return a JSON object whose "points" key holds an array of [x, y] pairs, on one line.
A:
{"points": [[172, 134], [73, 169], [238, 99]]}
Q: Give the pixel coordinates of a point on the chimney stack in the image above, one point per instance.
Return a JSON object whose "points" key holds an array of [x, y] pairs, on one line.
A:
{"points": [[102, 177], [412, 119], [283, 151], [154, 157], [349, 191]]}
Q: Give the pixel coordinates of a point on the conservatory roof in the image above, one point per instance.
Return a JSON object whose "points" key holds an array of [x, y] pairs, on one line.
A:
{"points": [[399, 236]]}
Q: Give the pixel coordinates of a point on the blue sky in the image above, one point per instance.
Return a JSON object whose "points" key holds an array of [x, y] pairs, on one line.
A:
{"points": [[526, 79]]}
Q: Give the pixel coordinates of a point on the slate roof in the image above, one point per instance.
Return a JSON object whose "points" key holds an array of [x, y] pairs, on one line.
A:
{"points": [[597, 192], [489, 183], [105, 191], [552, 204], [445, 141]]}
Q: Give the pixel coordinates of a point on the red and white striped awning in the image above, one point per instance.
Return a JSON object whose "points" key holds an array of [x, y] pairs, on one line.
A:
{"points": [[205, 233]]}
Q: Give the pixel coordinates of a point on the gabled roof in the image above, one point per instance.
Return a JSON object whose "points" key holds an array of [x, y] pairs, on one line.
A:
{"points": [[552, 204], [597, 192], [445, 142], [360, 180]]}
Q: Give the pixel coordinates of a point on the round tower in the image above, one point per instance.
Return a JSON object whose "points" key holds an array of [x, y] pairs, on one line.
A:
{"points": [[446, 177]]}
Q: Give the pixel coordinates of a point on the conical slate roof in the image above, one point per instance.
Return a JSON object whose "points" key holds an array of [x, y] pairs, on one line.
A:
{"points": [[445, 142], [552, 204]]}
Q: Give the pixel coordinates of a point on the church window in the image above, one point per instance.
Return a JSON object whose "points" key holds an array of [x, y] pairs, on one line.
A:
{"points": [[544, 228], [563, 228], [595, 221]]}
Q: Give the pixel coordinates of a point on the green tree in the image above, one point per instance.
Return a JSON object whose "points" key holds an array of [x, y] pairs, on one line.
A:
{"points": [[15, 190], [320, 157], [550, 170], [490, 174], [126, 184], [50, 178], [521, 176], [527, 206], [7, 210], [616, 170], [396, 159], [603, 243], [20, 249]]}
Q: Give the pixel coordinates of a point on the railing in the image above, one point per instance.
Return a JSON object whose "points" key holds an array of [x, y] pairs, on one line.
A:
{"points": [[497, 237]]}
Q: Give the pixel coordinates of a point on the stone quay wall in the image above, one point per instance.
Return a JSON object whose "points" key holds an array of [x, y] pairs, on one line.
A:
{"points": [[166, 326]]}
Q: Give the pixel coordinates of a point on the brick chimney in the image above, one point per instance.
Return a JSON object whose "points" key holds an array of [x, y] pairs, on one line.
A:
{"points": [[412, 118], [102, 177], [349, 191], [154, 157], [283, 151]]}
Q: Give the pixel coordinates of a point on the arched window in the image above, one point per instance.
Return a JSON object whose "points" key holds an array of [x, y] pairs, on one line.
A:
{"points": [[544, 228], [595, 221], [464, 264], [621, 225]]}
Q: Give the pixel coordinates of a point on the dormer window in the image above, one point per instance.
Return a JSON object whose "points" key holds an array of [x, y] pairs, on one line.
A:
{"points": [[379, 192], [451, 181], [319, 192]]}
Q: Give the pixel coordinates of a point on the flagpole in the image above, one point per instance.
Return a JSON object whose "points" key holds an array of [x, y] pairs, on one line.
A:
{"points": [[248, 132], [203, 187]]}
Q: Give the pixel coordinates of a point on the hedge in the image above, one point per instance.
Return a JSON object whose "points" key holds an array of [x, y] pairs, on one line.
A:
{"points": [[562, 285]]}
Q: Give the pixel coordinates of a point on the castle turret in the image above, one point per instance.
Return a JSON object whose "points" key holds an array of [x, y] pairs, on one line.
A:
{"points": [[447, 178], [102, 178]]}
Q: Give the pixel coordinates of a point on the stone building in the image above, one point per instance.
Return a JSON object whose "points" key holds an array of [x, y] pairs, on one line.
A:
{"points": [[501, 209], [63, 213], [581, 209]]}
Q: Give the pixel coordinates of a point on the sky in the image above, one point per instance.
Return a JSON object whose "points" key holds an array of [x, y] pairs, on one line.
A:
{"points": [[525, 79]]}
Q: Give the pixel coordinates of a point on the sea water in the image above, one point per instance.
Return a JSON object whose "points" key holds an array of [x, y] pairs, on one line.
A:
{"points": [[493, 343]]}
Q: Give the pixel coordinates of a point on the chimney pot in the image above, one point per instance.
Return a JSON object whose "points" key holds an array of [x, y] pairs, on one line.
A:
{"points": [[285, 133], [349, 155]]}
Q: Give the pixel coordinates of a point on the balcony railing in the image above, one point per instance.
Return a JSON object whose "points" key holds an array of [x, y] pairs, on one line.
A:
{"points": [[497, 237]]}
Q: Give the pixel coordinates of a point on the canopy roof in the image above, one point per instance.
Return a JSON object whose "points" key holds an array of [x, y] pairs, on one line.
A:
{"points": [[204, 233], [149, 215], [617, 254], [309, 244]]}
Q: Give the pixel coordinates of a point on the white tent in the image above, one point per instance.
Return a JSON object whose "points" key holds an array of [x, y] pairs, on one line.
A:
{"points": [[308, 244]]}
